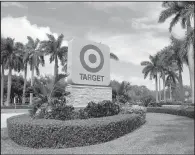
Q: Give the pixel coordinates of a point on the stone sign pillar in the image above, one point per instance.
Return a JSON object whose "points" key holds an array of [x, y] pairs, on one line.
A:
{"points": [[89, 72]]}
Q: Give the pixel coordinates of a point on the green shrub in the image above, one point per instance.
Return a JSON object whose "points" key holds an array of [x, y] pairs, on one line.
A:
{"points": [[177, 103], [60, 113], [102, 109], [40, 133], [174, 111], [155, 104], [146, 100], [134, 109]]}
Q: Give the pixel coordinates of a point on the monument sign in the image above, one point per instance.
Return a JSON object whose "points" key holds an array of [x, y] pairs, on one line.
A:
{"points": [[89, 72]]}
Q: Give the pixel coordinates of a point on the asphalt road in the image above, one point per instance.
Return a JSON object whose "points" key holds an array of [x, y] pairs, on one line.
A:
{"points": [[161, 134]]}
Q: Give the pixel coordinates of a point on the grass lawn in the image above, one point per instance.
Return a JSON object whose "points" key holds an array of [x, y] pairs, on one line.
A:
{"points": [[161, 134]]}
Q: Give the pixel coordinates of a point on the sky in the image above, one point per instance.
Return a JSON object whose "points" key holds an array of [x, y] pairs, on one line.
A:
{"points": [[130, 29]]}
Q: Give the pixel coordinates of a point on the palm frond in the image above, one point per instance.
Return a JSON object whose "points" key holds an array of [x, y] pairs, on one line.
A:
{"points": [[64, 68], [146, 63], [51, 38], [62, 54], [31, 42], [51, 59], [41, 87], [174, 21], [183, 23], [37, 41], [59, 40], [59, 77], [165, 14], [147, 68], [37, 71], [113, 56]]}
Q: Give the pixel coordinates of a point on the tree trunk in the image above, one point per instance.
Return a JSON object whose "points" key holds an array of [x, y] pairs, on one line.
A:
{"points": [[2, 84], [170, 92], [32, 82], [156, 82], [164, 90], [9, 84], [159, 90], [181, 87], [191, 68], [24, 88], [56, 68]]}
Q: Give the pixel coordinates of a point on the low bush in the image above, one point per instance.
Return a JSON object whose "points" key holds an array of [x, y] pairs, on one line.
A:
{"points": [[102, 109], [177, 103], [134, 109], [40, 133], [146, 100], [174, 111]]}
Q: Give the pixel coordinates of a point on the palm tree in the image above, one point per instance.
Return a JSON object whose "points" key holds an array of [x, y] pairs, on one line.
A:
{"points": [[184, 12], [152, 68], [3, 43], [25, 81], [53, 48], [170, 80], [178, 60], [34, 56], [167, 57], [12, 57]]}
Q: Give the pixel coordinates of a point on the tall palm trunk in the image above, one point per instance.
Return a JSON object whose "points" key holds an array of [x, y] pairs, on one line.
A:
{"points": [[2, 84], [156, 82], [181, 86], [191, 67], [32, 82], [164, 90], [24, 88], [56, 67], [159, 90], [9, 83], [170, 92]]}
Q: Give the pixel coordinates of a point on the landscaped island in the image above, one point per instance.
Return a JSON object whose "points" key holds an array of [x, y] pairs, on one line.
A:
{"points": [[94, 124]]}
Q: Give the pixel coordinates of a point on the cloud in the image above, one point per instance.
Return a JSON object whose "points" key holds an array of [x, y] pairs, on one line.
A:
{"points": [[116, 77], [132, 48], [17, 4], [14, 27], [52, 8], [106, 5], [19, 28]]}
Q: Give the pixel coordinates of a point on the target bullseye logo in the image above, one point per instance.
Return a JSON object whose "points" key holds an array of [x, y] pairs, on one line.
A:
{"points": [[91, 58]]}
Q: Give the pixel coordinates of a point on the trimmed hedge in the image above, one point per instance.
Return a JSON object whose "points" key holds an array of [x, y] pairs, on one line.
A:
{"points": [[43, 133], [174, 111], [17, 107]]}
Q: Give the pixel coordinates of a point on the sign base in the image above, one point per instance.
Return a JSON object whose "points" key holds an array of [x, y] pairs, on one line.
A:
{"points": [[80, 95]]}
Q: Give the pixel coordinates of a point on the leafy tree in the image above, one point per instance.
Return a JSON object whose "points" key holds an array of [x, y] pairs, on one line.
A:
{"points": [[17, 87], [146, 100]]}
